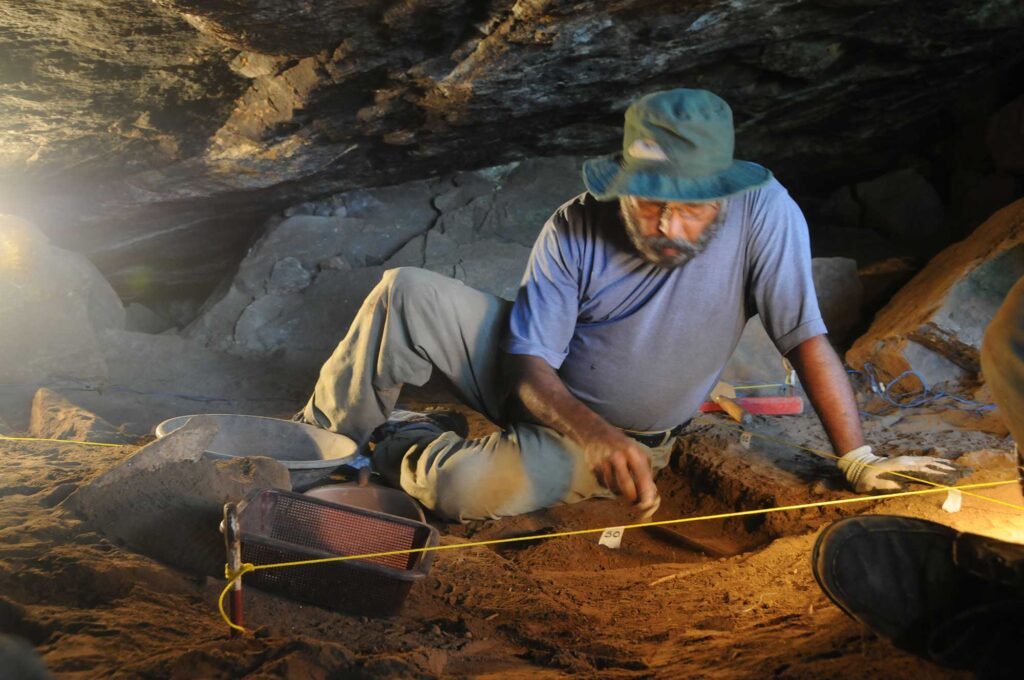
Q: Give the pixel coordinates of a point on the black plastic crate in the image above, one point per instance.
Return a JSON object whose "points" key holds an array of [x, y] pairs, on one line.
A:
{"points": [[281, 526]]}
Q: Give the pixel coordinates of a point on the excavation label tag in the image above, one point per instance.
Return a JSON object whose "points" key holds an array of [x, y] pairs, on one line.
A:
{"points": [[611, 537], [953, 501]]}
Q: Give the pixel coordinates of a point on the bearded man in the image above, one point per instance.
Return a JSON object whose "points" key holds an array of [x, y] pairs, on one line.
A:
{"points": [[633, 300]]}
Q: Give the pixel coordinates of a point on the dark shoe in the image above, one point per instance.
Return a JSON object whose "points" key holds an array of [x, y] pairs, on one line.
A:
{"points": [[899, 576], [440, 421]]}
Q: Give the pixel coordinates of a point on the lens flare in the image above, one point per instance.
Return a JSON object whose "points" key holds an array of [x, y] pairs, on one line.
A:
{"points": [[14, 243]]}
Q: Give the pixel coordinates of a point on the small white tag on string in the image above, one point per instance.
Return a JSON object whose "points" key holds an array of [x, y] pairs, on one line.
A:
{"points": [[953, 500], [611, 537], [745, 440]]}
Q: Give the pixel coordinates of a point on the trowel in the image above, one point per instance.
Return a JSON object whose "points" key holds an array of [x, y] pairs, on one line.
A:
{"points": [[724, 395]]}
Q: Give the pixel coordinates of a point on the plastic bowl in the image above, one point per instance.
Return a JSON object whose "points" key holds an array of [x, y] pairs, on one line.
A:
{"points": [[309, 453]]}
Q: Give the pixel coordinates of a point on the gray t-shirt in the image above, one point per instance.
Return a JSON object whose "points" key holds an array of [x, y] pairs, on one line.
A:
{"points": [[643, 345]]}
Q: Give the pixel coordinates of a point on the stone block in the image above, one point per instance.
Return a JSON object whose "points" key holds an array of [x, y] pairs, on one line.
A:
{"points": [[154, 377], [306, 331], [260, 327], [52, 302], [466, 186], [838, 287], [840, 294], [142, 319], [492, 266], [527, 196], [843, 209], [412, 254], [288, 276], [167, 500], [903, 205], [939, 317], [54, 416], [301, 284], [755, 359]]}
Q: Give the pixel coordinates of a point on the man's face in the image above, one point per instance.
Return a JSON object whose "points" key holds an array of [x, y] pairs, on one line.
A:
{"points": [[670, 234]]}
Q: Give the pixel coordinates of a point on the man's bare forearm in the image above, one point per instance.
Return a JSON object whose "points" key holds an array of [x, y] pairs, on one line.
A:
{"points": [[542, 394], [828, 387], [617, 461]]}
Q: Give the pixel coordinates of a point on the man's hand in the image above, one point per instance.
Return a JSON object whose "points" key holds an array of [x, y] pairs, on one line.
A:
{"points": [[868, 473], [623, 466]]}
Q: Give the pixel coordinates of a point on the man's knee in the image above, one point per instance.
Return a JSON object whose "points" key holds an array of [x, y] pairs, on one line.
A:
{"points": [[403, 282], [466, 491], [500, 480]]}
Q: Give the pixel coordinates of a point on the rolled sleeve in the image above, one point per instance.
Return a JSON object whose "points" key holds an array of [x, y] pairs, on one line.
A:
{"points": [[790, 341], [781, 280]]}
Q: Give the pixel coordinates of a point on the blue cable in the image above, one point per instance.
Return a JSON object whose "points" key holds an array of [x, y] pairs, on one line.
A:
{"points": [[911, 399]]}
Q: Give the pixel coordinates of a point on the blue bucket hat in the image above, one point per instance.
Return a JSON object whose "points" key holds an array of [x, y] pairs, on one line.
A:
{"points": [[677, 146]]}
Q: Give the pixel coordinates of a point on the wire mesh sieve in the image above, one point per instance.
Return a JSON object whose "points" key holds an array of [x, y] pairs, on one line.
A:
{"points": [[280, 526]]}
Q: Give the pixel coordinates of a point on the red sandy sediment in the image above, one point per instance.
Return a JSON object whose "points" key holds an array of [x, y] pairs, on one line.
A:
{"points": [[561, 607]]}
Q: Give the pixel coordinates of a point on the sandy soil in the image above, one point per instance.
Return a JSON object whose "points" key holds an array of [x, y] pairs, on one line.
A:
{"points": [[561, 607]]}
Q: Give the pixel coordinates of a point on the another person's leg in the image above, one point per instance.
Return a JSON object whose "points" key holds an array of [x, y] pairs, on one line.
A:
{"points": [[1002, 363], [954, 598]]}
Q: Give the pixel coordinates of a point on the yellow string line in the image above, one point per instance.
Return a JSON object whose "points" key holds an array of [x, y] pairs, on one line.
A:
{"points": [[245, 569], [825, 454], [59, 441], [248, 567]]}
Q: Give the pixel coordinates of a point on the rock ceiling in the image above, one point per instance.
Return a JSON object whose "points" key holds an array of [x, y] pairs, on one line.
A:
{"points": [[156, 136]]}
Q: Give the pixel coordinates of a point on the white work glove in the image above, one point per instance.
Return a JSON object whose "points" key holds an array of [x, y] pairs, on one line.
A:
{"points": [[869, 473]]}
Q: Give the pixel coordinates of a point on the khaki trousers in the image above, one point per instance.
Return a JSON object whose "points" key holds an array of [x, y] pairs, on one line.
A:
{"points": [[415, 322]]}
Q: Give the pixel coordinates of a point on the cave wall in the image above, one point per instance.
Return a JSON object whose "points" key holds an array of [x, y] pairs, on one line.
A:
{"points": [[157, 137]]}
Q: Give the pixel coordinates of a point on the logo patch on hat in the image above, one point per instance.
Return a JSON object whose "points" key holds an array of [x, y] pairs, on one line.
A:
{"points": [[646, 149]]}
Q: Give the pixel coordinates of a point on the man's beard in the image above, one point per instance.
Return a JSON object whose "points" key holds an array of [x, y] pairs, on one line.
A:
{"points": [[652, 248]]}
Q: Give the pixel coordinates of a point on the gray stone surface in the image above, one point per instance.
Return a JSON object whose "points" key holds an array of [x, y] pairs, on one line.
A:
{"points": [[944, 310], [288, 276], [756, 360], [904, 206], [159, 136], [167, 500], [52, 305], [302, 283], [142, 319], [155, 377], [840, 294]]}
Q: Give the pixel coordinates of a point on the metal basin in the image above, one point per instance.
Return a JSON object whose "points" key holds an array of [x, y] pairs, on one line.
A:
{"points": [[309, 453], [371, 497]]}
